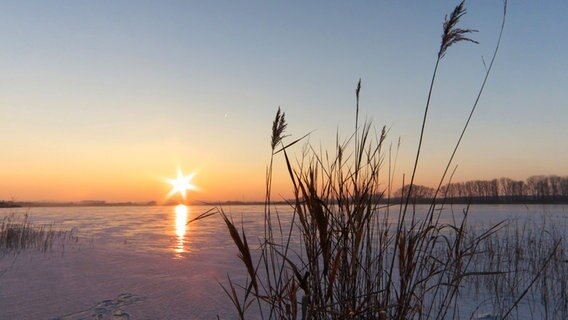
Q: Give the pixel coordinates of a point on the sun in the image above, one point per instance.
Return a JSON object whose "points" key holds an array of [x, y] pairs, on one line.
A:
{"points": [[181, 184]]}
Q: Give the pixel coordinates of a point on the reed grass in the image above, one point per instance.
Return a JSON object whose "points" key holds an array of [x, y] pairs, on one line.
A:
{"points": [[17, 234], [343, 255], [531, 258]]}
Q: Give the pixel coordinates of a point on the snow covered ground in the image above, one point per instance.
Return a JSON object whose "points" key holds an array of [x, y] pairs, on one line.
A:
{"points": [[140, 263]]}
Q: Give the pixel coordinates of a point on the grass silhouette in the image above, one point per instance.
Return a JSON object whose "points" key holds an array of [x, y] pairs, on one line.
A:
{"points": [[344, 255]]}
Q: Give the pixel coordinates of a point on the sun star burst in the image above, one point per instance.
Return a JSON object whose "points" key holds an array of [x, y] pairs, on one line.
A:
{"points": [[181, 184]]}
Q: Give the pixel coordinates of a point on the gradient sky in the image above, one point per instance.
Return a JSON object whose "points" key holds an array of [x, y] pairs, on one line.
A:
{"points": [[103, 99]]}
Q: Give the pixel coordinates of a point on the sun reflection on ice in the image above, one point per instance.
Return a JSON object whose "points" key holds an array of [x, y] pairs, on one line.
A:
{"points": [[181, 225]]}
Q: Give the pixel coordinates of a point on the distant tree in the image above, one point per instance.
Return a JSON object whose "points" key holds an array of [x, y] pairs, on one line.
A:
{"points": [[544, 188], [538, 186], [555, 183], [418, 192], [564, 186]]}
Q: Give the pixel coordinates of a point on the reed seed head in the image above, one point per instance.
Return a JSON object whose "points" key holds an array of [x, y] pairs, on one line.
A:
{"points": [[278, 128], [451, 33]]}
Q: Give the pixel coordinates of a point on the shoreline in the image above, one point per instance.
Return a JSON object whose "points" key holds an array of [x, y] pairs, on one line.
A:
{"points": [[391, 201]]}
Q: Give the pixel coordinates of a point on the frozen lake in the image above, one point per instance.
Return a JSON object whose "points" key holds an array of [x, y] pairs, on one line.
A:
{"points": [[145, 262]]}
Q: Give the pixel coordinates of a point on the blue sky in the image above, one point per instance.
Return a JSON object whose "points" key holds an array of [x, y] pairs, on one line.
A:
{"points": [[126, 91]]}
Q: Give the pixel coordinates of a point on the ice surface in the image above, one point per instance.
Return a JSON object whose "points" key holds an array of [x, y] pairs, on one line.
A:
{"points": [[135, 263], [127, 263]]}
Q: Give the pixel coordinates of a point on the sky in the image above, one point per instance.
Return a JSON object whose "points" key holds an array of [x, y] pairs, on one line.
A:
{"points": [[106, 99]]}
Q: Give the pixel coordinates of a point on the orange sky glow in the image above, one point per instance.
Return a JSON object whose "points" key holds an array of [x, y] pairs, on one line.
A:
{"points": [[105, 101]]}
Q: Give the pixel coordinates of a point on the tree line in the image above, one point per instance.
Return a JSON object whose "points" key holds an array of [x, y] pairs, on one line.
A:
{"points": [[534, 189]]}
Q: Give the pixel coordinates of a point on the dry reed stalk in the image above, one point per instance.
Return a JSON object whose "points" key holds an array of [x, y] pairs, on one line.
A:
{"points": [[352, 263]]}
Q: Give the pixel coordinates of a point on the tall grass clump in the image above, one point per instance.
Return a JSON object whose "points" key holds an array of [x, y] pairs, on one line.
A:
{"points": [[17, 233], [531, 256], [346, 252]]}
